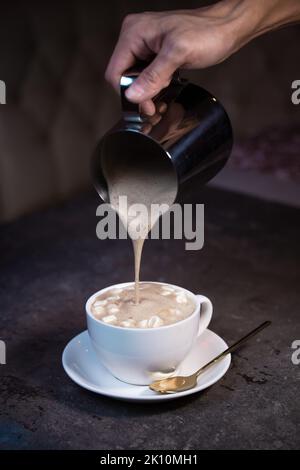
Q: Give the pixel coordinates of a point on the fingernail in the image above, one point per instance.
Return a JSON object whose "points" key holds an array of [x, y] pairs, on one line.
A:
{"points": [[134, 92]]}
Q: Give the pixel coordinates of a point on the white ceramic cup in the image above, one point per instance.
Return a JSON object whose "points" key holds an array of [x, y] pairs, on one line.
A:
{"points": [[140, 355]]}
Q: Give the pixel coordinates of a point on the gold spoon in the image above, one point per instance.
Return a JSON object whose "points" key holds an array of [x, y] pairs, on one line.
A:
{"points": [[181, 383]]}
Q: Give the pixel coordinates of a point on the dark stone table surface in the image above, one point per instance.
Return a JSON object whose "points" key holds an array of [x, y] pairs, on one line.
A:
{"points": [[52, 261]]}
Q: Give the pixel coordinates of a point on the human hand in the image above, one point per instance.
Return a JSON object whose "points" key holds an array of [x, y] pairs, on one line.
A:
{"points": [[190, 39]]}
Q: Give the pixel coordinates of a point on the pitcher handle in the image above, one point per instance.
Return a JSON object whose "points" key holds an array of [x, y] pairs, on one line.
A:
{"points": [[131, 110]]}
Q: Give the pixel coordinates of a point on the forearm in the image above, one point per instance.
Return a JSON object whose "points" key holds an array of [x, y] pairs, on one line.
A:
{"points": [[252, 18], [276, 13]]}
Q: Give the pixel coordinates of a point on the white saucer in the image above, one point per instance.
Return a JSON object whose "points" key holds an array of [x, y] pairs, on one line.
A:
{"points": [[82, 366]]}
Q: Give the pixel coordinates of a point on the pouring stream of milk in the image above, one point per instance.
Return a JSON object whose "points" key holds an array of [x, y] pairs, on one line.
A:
{"points": [[142, 182]]}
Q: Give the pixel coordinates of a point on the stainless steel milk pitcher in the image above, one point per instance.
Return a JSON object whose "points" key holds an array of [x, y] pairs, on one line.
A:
{"points": [[190, 134]]}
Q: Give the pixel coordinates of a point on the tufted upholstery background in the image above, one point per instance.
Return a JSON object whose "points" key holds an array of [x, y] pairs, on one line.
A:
{"points": [[52, 58]]}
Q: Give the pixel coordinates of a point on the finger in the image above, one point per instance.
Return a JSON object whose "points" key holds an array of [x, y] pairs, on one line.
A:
{"points": [[121, 60], [155, 119], [146, 128], [153, 78], [148, 108], [162, 107]]}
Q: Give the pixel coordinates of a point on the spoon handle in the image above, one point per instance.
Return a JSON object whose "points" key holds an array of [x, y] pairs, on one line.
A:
{"points": [[233, 347]]}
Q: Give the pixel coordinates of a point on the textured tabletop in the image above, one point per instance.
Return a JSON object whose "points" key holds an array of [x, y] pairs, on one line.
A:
{"points": [[52, 261]]}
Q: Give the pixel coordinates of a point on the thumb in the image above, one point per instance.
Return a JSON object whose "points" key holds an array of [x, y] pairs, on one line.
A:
{"points": [[152, 79]]}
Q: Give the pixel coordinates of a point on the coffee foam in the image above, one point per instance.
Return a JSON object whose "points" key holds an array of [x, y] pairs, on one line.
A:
{"points": [[155, 308]]}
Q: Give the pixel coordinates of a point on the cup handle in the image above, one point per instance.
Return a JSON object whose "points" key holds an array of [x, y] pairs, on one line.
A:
{"points": [[206, 310]]}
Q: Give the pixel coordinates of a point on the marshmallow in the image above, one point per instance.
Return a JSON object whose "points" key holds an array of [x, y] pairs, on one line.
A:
{"points": [[100, 302], [127, 323], [112, 308], [155, 321], [99, 310], [152, 322], [143, 324], [176, 312], [117, 291], [181, 298], [168, 288], [109, 319]]}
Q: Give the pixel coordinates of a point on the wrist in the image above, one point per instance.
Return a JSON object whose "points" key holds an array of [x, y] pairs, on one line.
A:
{"points": [[237, 21], [243, 20], [251, 18]]}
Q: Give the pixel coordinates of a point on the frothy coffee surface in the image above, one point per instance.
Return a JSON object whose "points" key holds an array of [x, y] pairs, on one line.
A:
{"points": [[159, 305]]}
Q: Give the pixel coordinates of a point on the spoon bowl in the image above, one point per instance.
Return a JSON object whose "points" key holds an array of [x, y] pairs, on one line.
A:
{"points": [[181, 383], [174, 384]]}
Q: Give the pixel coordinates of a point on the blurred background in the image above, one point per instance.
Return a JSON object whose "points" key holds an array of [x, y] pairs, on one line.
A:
{"points": [[53, 55]]}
